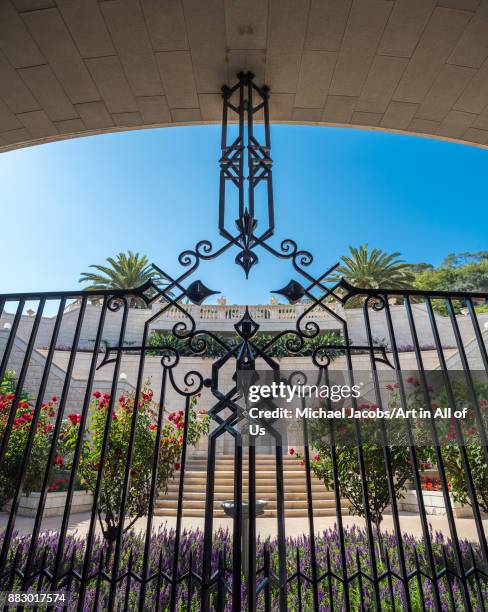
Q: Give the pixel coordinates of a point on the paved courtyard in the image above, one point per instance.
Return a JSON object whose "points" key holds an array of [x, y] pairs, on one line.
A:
{"points": [[410, 523]]}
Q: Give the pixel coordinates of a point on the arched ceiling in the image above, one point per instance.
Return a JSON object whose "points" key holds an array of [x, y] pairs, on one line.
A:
{"points": [[77, 67]]}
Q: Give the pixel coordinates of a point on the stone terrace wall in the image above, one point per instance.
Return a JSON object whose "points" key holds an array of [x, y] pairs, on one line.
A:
{"points": [[222, 319]]}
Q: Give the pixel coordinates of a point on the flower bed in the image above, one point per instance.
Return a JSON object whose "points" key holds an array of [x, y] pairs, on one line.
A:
{"points": [[298, 553], [55, 503], [434, 503]]}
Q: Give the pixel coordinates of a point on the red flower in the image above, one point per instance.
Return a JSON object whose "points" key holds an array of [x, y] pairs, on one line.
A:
{"points": [[47, 428], [97, 394], [54, 398], [74, 418], [302, 461], [153, 427], [122, 399], [292, 451], [316, 458], [177, 466], [58, 460]]}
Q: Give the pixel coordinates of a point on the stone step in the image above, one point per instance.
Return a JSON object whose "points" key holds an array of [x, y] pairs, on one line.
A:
{"points": [[259, 473], [317, 495], [290, 512], [271, 504], [294, 480], [228, 493]]}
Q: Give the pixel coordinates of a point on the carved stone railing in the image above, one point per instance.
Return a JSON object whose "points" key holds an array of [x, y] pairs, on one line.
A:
{"points": [[268, 312]]}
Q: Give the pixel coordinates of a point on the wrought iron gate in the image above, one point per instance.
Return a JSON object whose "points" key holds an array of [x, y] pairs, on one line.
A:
{"points": [[342, 568]]}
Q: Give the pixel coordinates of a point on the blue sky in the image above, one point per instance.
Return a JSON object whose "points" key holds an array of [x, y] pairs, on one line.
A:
{"points": [[69, 204]]}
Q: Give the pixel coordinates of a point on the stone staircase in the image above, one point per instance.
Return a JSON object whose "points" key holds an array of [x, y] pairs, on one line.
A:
{"points": [[296, 504]]}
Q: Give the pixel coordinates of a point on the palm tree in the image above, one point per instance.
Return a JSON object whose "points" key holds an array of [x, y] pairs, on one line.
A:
{"points": [[374, 270], [125, 271]]}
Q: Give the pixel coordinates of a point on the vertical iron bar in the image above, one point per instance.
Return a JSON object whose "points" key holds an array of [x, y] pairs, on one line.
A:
{"points": [[237, 527], [23, 370], [105, 443], [30, 439], [448, 579], [208, 528], [11, 339], [223, 146], [55, 436], [299, 580], [179, 512], [267, 574], [128, 466], [79, 442], [99, 581], [329, 581], [280, 518], [440, 462], [269, 179], [189, 593], [152, 494], [250, 145], [390, 476], [413, 460], [362, 471], [159, 580], [220, 584], [311, 528], [128, 583], [251, 579], [360, 581], [477, 333], [418, 574], [242, 111], [340, 525]]}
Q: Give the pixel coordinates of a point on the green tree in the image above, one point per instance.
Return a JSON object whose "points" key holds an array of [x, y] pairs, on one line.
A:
{"points": [[458, 272], [374, 269], [169, 449], [466, 277], [126, 271]]}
